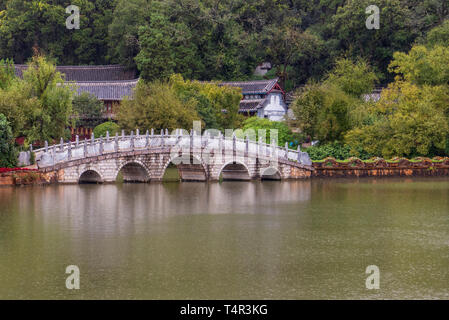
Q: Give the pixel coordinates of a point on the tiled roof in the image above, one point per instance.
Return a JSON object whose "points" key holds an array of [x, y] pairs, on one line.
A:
{"points": [[252, 87], [251, 105], [89, 73], [108, 90]]}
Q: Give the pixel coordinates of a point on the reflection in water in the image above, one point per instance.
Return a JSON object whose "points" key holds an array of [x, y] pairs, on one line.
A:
{"points": [[299, 239]]}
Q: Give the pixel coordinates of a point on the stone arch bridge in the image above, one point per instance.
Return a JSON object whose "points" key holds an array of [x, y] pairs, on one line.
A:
{"points": [[144, 158]]}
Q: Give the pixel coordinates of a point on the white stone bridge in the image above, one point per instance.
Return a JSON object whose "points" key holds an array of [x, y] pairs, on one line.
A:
{"points": [[144, 158]]}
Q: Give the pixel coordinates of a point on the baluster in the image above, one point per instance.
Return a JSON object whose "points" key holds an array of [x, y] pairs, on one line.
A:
{"points": [[147, 139], [85, 147], [131, 142], [101, 145], [299, 154]]}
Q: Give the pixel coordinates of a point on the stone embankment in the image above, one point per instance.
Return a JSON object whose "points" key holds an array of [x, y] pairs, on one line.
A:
{"points": [[419, 167]]}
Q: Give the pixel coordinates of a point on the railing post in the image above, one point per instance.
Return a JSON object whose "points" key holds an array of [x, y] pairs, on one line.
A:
{"points": [[61, 142], [131, 141], [85, 147], [286, 150], [299, 154], [46, 146], [69, 151], [116, 142], [162, 138], [107, 136], [247, 146], [137, 133], [101, 145], [92, 138], [191, 141], [166, 131], [147, 139], [123, 134], [234, 147], [152, 131], [31, 147], [77, 140]]}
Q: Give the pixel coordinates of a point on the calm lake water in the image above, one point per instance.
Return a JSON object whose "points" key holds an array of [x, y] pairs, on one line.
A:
{"points": [[231, 240]]}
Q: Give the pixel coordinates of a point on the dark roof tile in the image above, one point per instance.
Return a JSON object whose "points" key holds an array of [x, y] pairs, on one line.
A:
{"points": [[89, 73], [108, 90], [252, 87]]}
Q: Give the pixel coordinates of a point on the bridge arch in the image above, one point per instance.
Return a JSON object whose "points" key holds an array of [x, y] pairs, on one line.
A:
{"points": [[90, 175], [235, 170], [192, 171], [133, 171], [270, 173]]}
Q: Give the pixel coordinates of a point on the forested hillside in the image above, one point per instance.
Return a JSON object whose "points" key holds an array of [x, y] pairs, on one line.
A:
{"points": [[217, 39]]}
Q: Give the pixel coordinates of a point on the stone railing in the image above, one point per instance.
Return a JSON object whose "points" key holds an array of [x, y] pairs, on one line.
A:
{"points": [[66, 152]]}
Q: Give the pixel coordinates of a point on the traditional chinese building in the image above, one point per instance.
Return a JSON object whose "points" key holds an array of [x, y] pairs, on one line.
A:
{"points": [[262, 98]]}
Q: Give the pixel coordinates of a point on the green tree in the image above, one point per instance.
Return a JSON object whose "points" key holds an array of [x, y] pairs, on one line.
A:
{"points": [[409, 121], [6, 73], [216, 105], [354, 79], [88, 110], [156, 105], [439, 35], [423, 65], [8, 152], [48, 118], [254, 124]]}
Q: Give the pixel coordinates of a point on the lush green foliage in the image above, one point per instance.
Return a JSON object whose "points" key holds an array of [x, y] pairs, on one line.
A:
{"points": [[408, 121], [256, 128], [336, 150], [324, 111], [88, 110], [216, 105], [218, 39], [8, 153], [38, 107], [355, 79], [109, 126], [156, 105]]}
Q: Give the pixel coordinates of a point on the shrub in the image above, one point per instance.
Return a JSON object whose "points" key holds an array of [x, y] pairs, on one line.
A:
{"points": [[100, 130], [8, 152], [336, 150]]}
